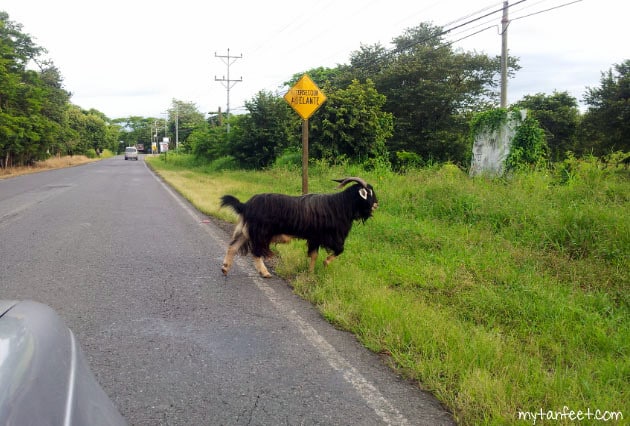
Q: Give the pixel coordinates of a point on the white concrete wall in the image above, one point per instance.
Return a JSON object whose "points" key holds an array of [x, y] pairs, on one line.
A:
{"points": [[491, 148]]}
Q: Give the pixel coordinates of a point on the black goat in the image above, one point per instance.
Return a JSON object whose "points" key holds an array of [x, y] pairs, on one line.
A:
{"points": [[323, 220]]}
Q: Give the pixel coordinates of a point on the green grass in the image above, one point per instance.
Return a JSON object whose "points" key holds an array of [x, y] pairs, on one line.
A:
{"points": [[498, 296]]}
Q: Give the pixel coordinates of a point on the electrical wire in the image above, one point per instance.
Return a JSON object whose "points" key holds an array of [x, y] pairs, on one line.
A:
{"points": [[449, 30], [546, 10], [470, 15], [445, 31], [469, 35], [413, 43]]}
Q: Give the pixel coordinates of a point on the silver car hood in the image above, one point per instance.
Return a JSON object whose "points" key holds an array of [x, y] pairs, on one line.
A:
{"points": [[44, 375]]}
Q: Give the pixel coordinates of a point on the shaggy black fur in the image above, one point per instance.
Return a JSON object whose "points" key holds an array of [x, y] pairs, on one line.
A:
{"points": [[324, 220]]}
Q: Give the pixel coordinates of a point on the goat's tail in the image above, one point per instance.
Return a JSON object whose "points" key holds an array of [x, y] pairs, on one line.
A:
{"points": [[234, 203]]}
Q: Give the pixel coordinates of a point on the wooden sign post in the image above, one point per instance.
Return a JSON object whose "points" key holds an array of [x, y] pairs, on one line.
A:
{"points": [[305, 98]]}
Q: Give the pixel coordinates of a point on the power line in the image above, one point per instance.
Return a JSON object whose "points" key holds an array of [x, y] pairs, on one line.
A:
{"points": [[470, 35], [413, 43], [470, 15], [546, 10], [394, 51], [529, 6], [463, 26], [477, 19]]}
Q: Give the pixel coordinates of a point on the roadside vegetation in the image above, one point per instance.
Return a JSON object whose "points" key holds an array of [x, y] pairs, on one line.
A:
{"points": [[53, 163], [499, 296]]}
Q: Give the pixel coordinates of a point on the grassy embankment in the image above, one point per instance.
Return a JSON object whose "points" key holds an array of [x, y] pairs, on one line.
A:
{"points": [[51, 164], [498, 296]]}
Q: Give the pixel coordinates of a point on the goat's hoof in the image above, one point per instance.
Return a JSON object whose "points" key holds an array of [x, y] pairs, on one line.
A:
{"points": [[225, 270], [265, 274]]}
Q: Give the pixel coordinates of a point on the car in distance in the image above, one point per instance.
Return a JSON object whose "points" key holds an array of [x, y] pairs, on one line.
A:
{"points": [[45, 378], [131, 153]]}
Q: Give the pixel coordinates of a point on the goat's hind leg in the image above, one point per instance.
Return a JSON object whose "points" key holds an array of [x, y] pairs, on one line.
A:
{"points": [[234, 247]]}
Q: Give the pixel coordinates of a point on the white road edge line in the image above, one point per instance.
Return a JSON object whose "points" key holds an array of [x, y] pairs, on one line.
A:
{"points": [[370, 394]]}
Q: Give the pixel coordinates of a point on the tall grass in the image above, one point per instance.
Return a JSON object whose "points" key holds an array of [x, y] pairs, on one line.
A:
{"points": [[498, 296]]}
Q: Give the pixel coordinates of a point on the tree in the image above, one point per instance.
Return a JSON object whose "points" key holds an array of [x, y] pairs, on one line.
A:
{"points": [[90, 130], [54, 108], [134, 130], [431, 89], [352, 124], [559, 116], [21, 96], [36, 117], [257, 138], [187, 118], [606, 124], [208, 142], [321, 76]]}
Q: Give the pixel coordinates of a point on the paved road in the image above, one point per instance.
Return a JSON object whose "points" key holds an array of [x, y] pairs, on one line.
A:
{"points": [[135, 273]]}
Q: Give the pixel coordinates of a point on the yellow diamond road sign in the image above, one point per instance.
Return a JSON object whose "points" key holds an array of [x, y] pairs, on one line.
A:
{"points": [[305, 97]]}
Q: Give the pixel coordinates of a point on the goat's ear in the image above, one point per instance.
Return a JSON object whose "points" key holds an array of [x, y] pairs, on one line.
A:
{"points": [[363, 193]]}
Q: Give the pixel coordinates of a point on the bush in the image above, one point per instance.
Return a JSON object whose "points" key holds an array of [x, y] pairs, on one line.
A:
{"points": [[406, 161], [529, 146], [208, 143], [223, 163], [290, 158]]}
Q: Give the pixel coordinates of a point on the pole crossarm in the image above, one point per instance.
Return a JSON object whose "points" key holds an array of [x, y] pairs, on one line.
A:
{"points": [[228, 83]]}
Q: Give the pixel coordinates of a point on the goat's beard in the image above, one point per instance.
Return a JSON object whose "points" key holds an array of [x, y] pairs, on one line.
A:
{"points": [[365, 215]]}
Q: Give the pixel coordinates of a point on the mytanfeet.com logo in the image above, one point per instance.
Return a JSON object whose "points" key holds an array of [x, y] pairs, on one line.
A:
{"points": [[571, 415]]}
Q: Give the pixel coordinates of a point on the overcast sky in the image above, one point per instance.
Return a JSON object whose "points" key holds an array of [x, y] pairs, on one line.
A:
{"points": [[133, 57]]}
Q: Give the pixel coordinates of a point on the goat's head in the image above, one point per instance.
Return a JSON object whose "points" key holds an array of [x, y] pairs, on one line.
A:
{"points": [[364, 199]]}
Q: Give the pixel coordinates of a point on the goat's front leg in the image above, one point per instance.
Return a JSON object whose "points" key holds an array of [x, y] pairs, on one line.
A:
{"points": [[261, 268], [333, 256], [329, 259]]}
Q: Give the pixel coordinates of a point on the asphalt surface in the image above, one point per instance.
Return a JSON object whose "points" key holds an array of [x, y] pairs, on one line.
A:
{"points": [[135, 272]]}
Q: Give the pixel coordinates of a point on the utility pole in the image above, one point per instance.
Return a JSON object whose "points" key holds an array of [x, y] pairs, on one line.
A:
{"points": [[504, 54], [227, 82], [219, 115], [177, 126]]}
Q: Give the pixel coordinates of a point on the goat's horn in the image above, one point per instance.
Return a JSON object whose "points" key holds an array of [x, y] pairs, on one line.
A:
{"points": [[344, 182]]}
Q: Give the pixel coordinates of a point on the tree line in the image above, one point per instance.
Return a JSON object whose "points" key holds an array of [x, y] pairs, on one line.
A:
{"points": [[37, 119], [414, 105], [406, 106]]}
